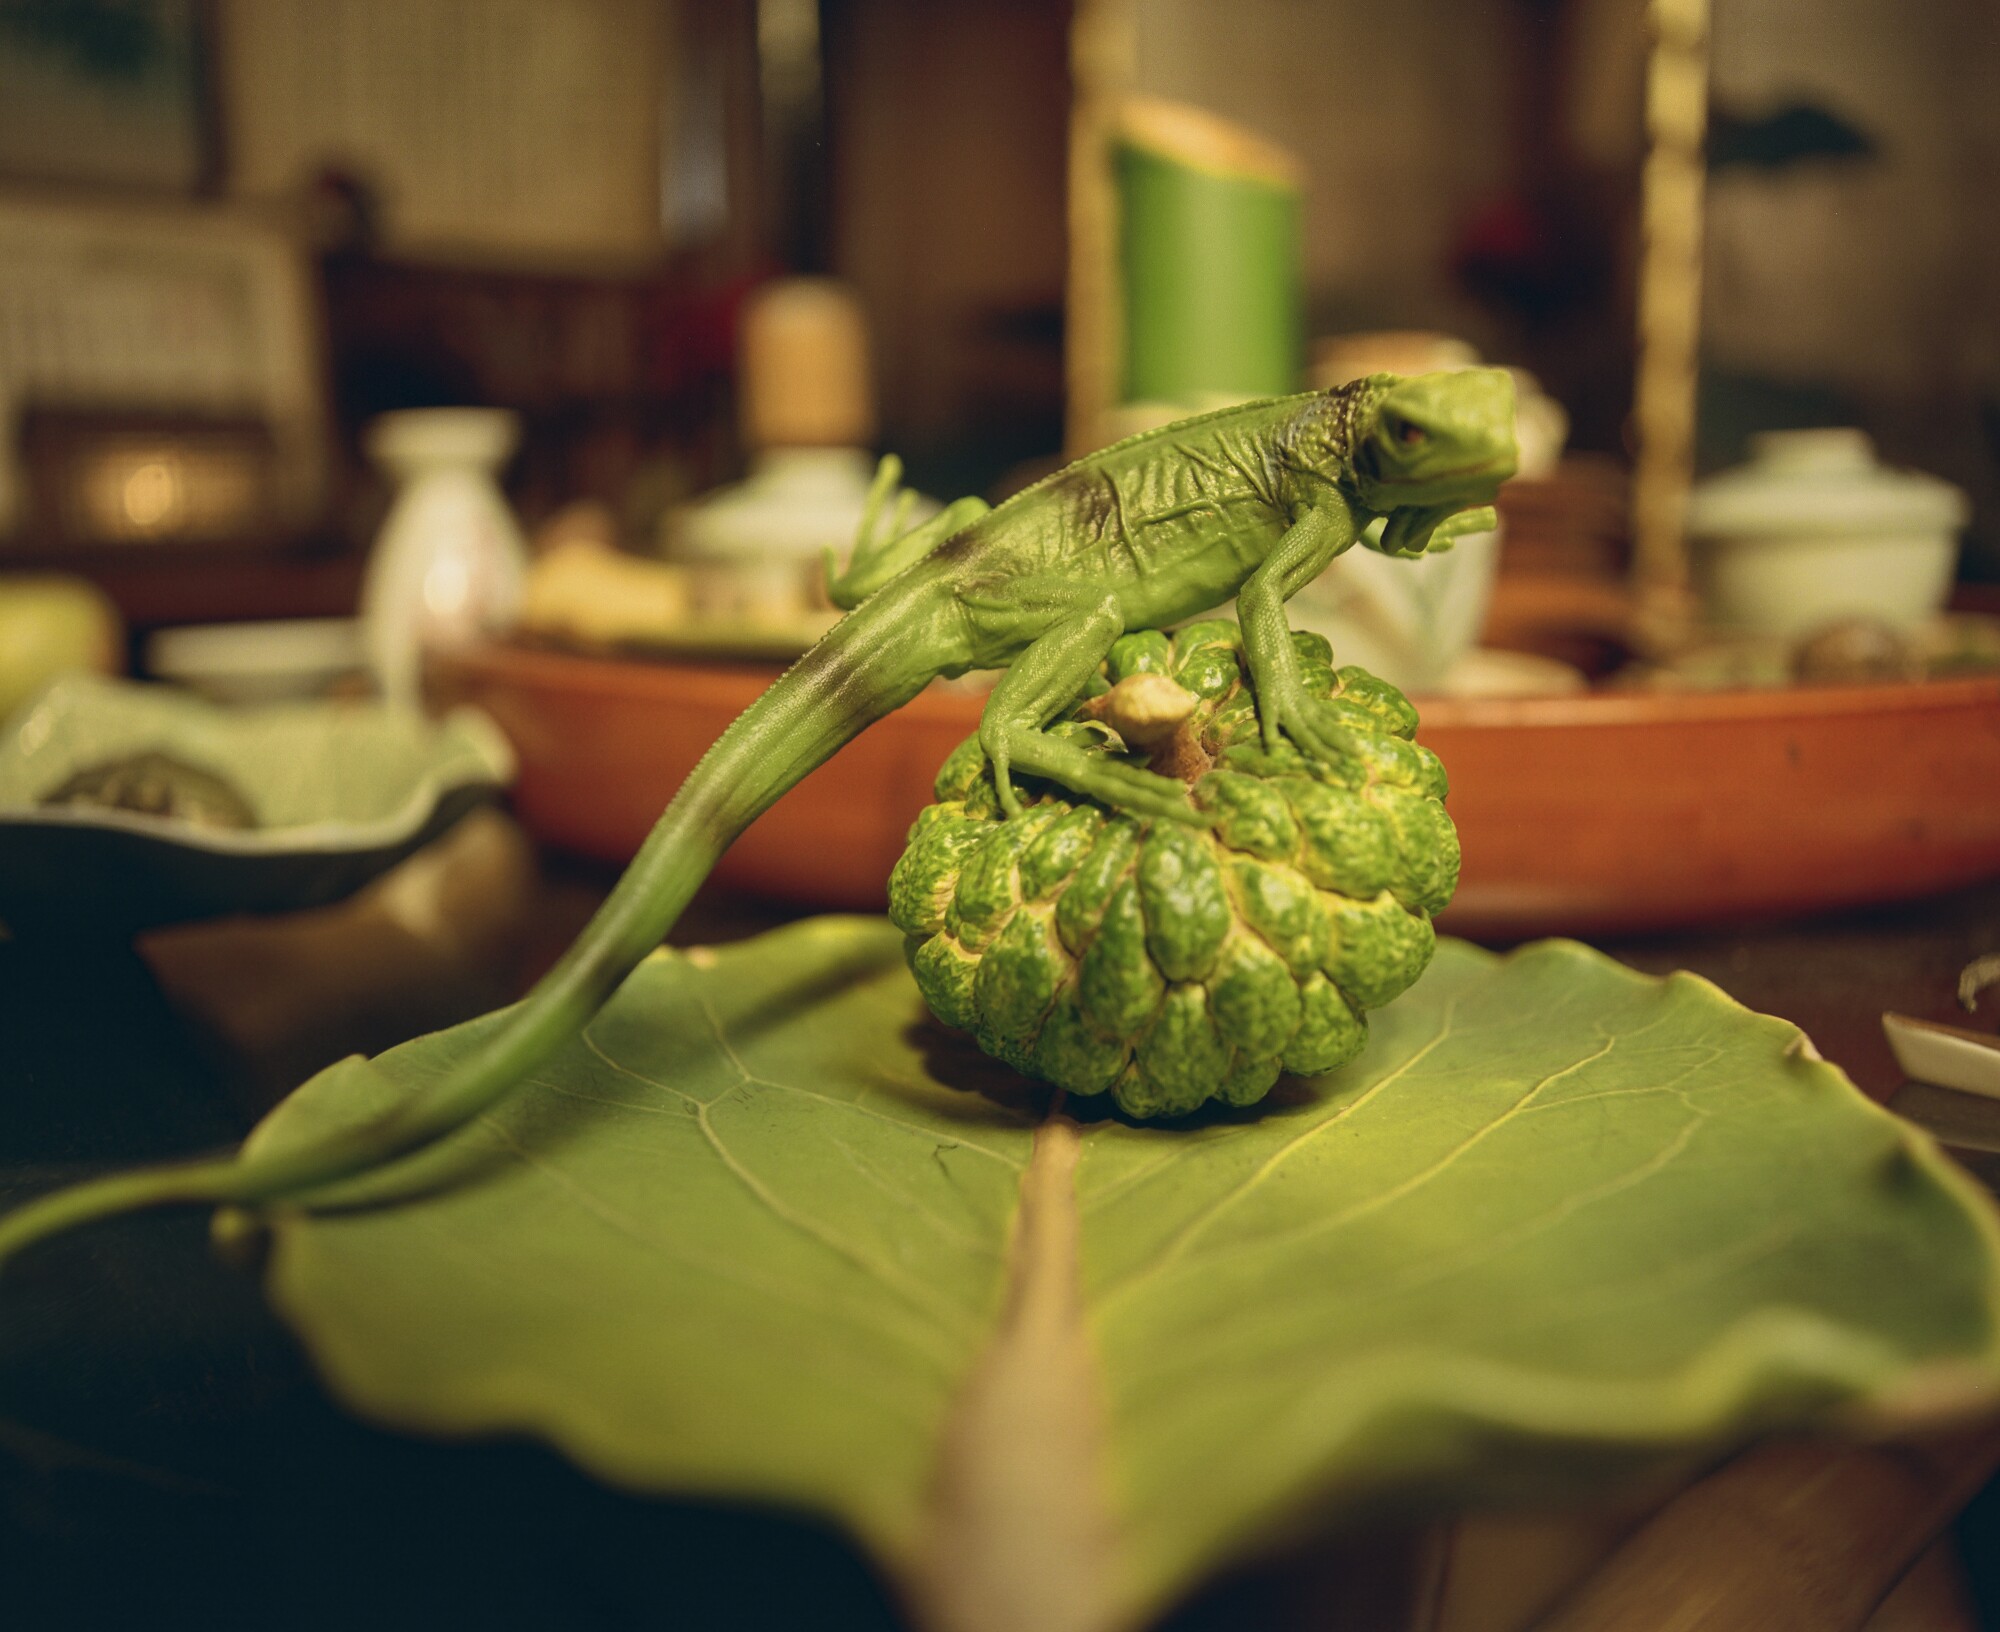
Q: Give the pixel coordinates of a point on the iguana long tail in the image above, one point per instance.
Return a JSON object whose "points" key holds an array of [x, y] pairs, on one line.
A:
{"points": [[868, 665]]}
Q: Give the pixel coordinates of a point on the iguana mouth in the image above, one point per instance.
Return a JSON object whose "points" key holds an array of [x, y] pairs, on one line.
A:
{"points": [[1484, 467]]}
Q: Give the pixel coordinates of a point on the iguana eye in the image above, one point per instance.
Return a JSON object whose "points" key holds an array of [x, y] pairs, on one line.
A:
{"points": [[1411, 435]]}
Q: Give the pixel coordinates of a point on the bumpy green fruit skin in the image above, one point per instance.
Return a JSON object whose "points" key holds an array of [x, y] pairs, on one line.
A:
{"points": [[1166, 965]]}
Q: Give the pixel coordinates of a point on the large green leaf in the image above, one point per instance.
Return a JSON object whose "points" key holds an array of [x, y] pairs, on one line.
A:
{"points": [[766, 1233]]}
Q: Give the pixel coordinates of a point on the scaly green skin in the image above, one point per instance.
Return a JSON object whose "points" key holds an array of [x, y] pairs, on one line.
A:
{"points": [[1252, 502]]}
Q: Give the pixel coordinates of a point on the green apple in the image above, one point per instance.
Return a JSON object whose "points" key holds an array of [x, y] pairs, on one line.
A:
{"points": [[51, 625]]}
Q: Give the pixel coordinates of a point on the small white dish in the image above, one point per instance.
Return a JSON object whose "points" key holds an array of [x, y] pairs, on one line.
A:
{"points": [[1945, 1056], [276, 661]]}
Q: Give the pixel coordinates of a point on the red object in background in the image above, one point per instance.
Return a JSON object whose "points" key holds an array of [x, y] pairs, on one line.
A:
{"points": [[1577, 815], [1539, 255]]}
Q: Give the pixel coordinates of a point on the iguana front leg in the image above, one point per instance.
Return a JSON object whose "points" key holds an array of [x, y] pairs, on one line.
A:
{"points": [[1308, 547], [1429, 530], [874, 560], [1048, 677]]}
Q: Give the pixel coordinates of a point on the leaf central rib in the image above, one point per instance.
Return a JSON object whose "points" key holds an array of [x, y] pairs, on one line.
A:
{"points": [[1022, 1534]]}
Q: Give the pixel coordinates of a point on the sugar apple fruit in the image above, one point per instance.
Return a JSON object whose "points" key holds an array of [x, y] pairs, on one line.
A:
{"points": [[1166, 964]]}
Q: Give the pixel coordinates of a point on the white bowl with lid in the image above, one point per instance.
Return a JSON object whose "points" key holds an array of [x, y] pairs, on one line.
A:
{"points": [[1815, 529]]}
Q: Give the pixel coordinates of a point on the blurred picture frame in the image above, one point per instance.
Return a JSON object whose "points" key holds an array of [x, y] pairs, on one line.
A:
{"points": [[163, 317], [511, 134], [110, 95]]}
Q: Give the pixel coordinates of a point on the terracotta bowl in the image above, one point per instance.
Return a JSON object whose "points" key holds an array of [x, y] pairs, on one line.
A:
{"points": [[1578, 815], [604, 744], [1611, 812]]}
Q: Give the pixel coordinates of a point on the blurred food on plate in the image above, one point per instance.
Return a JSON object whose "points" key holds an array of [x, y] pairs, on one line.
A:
{"points": [[752, 554], [1845, 652]]}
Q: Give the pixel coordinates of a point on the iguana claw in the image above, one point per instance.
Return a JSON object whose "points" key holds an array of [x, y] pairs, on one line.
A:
{"points": [[1122, 788], [1146, 793], [1304, 722]]}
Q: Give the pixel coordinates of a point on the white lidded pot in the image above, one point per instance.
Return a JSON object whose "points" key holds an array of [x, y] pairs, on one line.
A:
{"points": [[450, 561], [1815, 529], [755, 549]]}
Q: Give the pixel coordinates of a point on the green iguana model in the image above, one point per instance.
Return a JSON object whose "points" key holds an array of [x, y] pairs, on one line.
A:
{"points": [[1251, 502]]}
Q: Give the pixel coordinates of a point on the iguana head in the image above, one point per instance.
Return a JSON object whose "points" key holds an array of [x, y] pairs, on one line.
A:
{"points": [[1433, 439]]}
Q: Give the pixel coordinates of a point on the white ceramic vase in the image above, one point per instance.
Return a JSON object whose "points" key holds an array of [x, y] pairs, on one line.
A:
{"points": [[450, 560]]}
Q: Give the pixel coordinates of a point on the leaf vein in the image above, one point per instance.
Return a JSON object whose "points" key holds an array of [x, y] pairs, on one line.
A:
{"points": [[1179, 1242], [477, 1258], [1248, 1332], [748, 1078], [881, 1180], [621, 1224]]}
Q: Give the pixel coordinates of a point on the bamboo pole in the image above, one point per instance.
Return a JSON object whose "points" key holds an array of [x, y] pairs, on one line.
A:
{"points": [[1208, 258], [1102, 56], [1669, 313]]}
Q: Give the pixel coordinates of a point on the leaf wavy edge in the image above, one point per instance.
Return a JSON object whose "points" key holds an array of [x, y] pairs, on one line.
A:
{"points": [[1744, 1383]]}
